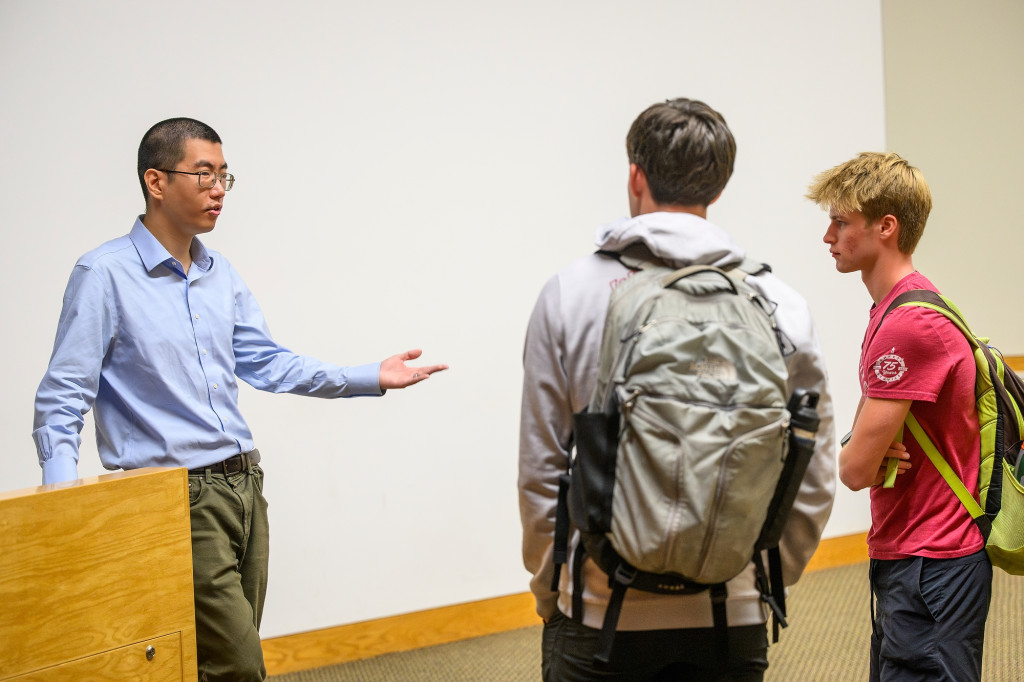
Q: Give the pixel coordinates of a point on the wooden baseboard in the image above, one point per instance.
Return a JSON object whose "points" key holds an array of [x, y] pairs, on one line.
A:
{"points": [[398, 633], [1015, 362], [841, 551], [344, 643]]}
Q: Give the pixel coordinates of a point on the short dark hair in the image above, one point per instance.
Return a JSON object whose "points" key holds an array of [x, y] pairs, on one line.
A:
{"points": [[163, 145], [685, 150]]}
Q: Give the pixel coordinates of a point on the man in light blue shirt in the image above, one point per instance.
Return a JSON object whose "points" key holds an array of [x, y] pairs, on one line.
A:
{"points": [[153, 334]]}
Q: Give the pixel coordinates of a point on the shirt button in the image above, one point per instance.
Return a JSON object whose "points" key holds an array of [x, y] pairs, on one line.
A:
{"points": [[215, 386], [197, 316], [204, 351]]}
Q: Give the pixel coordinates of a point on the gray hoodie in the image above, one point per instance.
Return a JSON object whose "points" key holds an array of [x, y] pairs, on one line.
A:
{"points": [[560, 368]]}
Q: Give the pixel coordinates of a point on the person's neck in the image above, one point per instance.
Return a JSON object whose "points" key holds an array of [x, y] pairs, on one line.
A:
{"points": [[177, 244], [648, 205], [880, 279]]}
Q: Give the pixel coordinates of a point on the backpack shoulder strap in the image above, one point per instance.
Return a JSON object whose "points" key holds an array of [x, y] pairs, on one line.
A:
{"points": [[930, 299], [751, 268], [924, 298], [959, 489]]}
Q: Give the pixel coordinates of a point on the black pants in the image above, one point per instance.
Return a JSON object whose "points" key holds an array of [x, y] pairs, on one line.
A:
{"points": [[652, 655], [928, 617]]}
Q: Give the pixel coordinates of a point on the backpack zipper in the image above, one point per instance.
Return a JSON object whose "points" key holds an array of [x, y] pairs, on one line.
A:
{"points": [[634, 393]]}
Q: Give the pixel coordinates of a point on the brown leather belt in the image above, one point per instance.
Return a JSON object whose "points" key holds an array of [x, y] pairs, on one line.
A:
{"points": [[232, 465]]}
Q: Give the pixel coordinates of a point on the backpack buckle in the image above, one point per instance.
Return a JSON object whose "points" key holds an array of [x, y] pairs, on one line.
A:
{"points": [[624, 575]]}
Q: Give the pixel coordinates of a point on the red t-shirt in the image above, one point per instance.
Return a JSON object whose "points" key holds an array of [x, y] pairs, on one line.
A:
{"points": [[920, 355]]}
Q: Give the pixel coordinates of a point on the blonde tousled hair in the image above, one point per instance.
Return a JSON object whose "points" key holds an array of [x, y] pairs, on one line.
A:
{"points": [[877, 184]]}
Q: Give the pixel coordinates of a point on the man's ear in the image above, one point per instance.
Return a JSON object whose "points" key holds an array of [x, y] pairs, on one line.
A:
{"points": [[889, 227], [716, 198], [154, 180], [637, 181]]}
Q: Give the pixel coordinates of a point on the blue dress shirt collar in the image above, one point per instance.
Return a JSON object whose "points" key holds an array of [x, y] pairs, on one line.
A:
{"points": [[153, 253]]}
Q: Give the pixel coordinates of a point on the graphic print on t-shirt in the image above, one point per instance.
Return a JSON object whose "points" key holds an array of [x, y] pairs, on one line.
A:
{"points": [[890, 367]]}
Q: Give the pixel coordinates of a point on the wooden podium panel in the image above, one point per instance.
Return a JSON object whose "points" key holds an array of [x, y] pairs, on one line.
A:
{"points": [[96, 579]]}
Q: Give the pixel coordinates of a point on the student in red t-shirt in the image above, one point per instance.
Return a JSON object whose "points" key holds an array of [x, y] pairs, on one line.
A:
{"points": [[930, 576]]}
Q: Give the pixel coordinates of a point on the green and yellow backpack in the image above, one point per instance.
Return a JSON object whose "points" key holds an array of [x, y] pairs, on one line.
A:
{"points": [[999, 396]]}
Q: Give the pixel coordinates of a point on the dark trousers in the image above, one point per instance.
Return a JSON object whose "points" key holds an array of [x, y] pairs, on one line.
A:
{"points": [[928, 617], [230, 543], [653, 655]]}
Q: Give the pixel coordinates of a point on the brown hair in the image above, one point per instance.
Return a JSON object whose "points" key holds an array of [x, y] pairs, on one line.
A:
{"points": [[685, 150]]}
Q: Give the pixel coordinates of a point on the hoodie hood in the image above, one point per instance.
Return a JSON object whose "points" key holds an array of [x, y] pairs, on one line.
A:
{"points": [[679, 239]]}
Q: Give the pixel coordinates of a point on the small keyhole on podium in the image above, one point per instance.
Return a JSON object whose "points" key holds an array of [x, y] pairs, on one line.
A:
{"points": [[150, 652]]}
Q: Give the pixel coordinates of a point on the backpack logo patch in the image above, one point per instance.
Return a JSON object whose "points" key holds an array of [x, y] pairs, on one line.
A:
{"points": [[890, 367], [714, 368]]}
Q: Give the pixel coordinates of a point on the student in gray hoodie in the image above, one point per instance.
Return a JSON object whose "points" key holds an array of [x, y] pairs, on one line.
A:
{"points": [[681, 155]]}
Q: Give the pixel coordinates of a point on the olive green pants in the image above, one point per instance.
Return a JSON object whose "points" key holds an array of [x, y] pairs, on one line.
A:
{"points": [[230, 554]]}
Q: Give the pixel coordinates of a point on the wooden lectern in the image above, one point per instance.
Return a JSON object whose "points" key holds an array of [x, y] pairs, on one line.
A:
{"points": [[96, 579]]}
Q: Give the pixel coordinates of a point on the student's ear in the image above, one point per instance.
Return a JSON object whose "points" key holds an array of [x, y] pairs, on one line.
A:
{"points": [[716, 198], [889, 227], [637, 180]]}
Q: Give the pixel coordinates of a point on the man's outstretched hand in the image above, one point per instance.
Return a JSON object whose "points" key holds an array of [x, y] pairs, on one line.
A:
{"points": [[394, 373]]}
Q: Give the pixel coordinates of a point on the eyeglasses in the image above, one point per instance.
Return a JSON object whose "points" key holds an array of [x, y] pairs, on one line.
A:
{"points": [[207, 179]]}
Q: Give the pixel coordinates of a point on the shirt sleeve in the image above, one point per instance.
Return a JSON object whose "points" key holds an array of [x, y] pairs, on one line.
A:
{"points": [[544, 436], [264, 364], [908, 359], [806, 366], [68, 390]]}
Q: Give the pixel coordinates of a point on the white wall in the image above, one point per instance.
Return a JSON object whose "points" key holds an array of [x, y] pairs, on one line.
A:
{"points": [[954, 94], [453, 155]]}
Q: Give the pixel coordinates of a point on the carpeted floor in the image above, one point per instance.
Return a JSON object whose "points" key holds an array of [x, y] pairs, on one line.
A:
{"points": [[827, 640]]}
